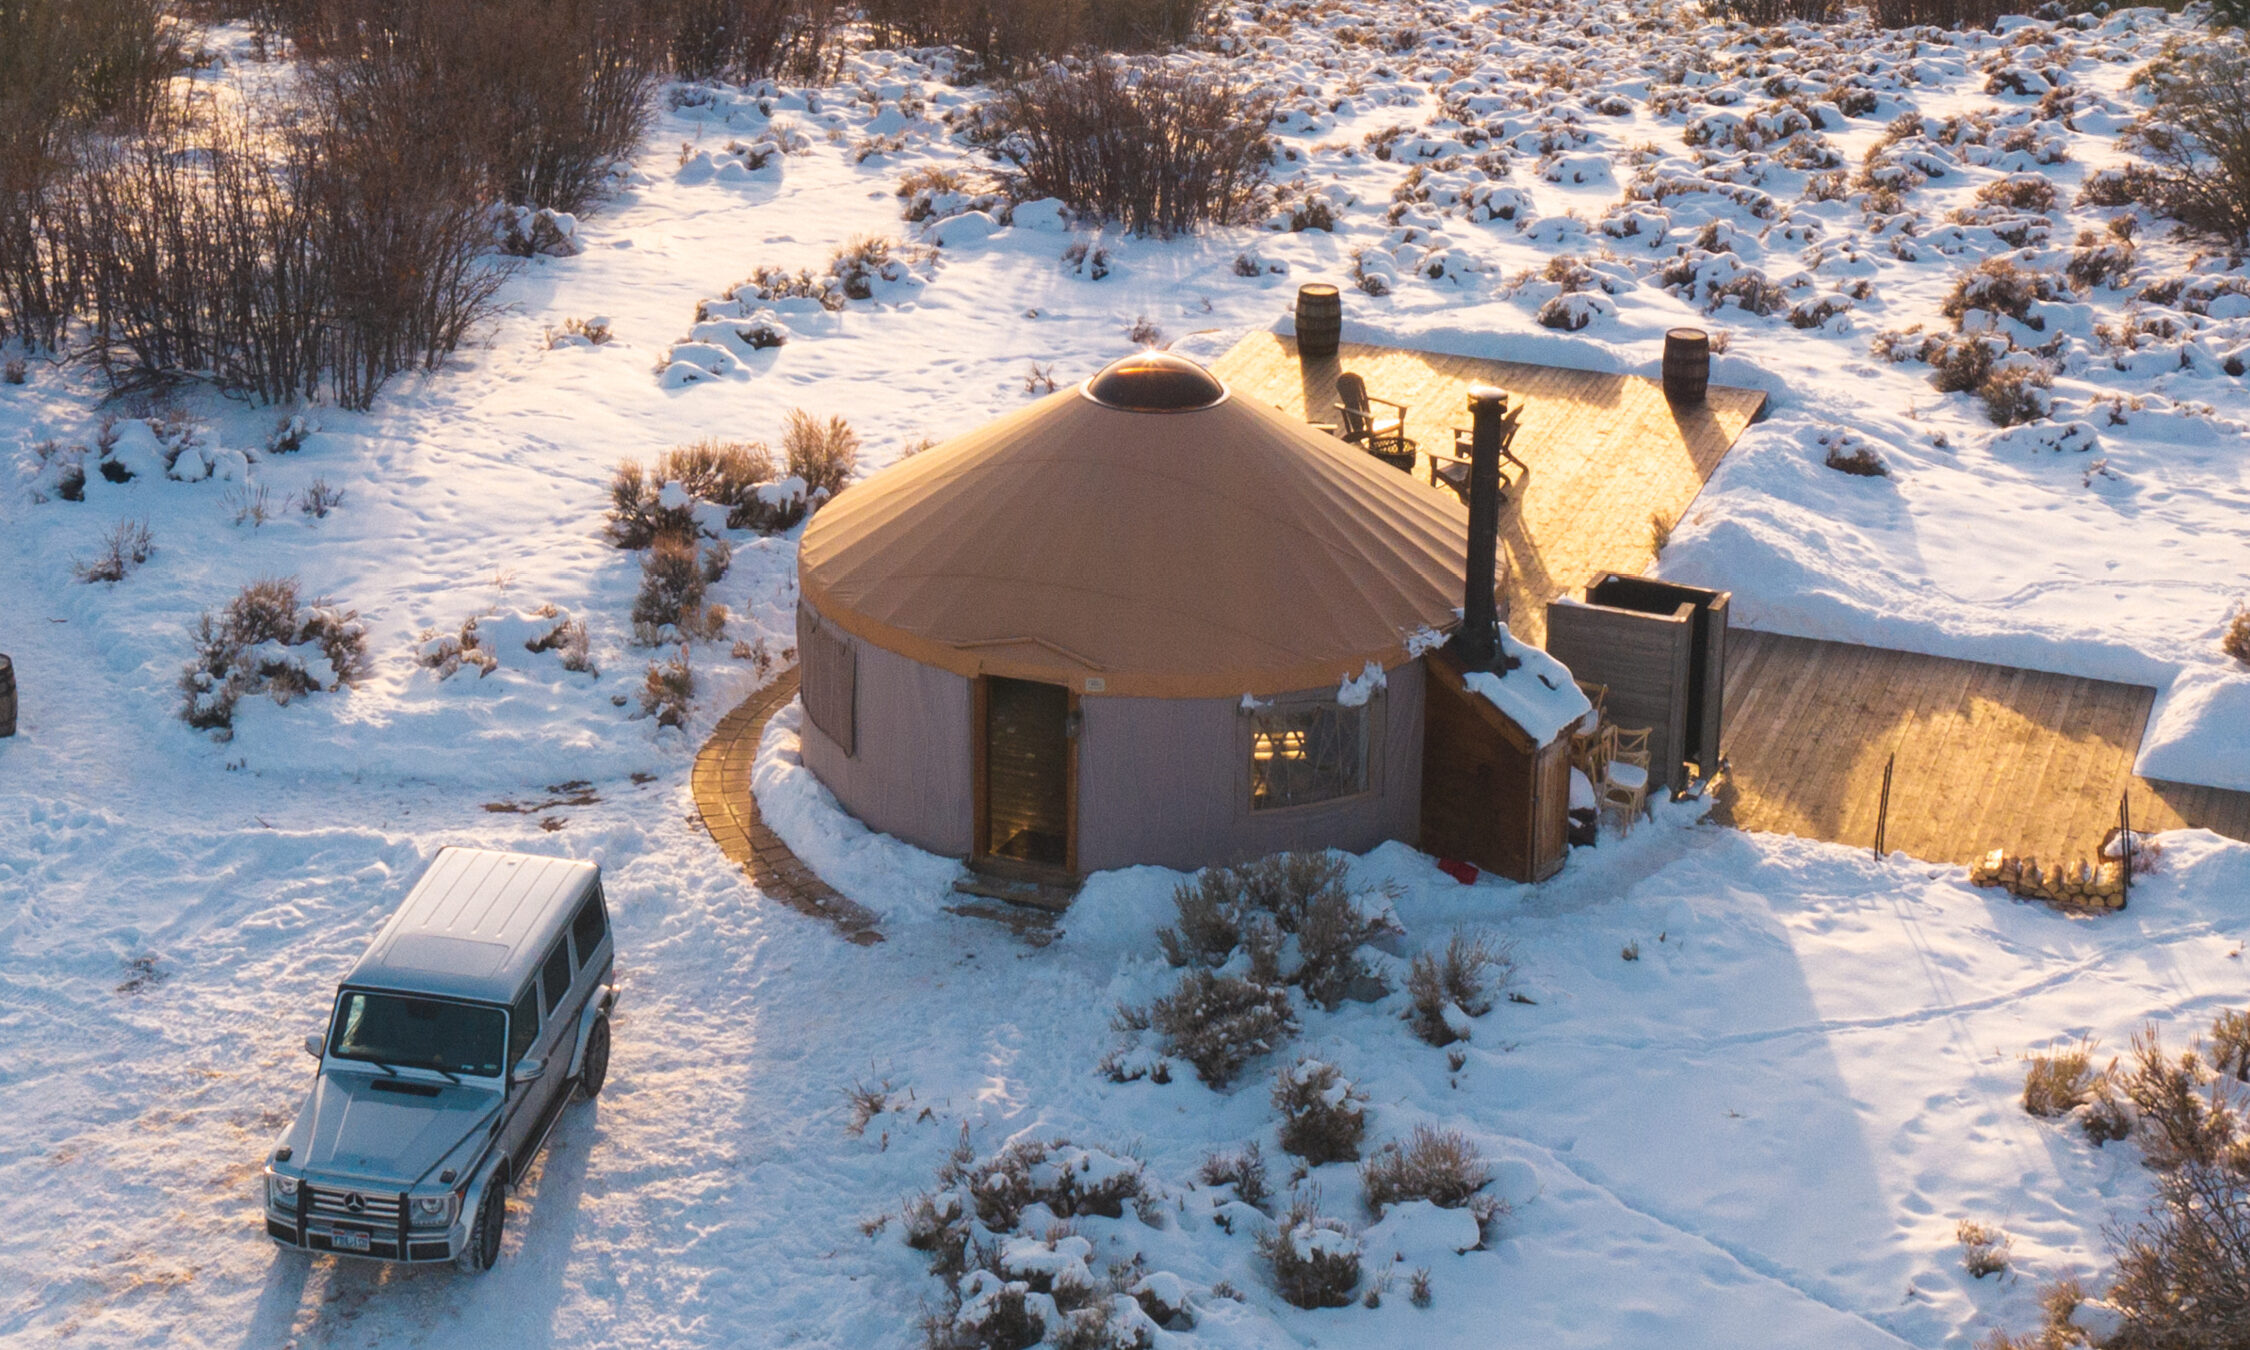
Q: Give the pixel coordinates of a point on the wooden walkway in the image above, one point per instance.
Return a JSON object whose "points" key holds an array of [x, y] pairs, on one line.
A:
{"points": [[1607, 452], [730, 812], [1988, 756]]}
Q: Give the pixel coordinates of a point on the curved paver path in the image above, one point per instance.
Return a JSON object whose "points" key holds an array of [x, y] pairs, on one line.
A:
{"points": [[730, 813]]}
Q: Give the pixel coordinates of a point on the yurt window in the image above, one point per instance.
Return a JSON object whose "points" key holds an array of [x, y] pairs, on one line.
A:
{"points": [[831, 681], [1301, 753]]}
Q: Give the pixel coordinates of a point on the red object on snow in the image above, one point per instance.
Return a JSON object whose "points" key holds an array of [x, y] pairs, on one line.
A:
{"points": [[1465, 873]]}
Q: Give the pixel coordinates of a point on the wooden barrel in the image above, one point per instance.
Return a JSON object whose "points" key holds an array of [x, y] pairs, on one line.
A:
{"points": [[1687, 365], [1320, 320], [7, 697]]}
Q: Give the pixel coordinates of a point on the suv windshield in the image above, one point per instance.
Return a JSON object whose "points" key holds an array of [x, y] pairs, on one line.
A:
{"points": [[421, 1033]]}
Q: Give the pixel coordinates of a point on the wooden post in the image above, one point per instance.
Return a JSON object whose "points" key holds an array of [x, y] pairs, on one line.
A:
{"points": [[1883, 811], [2125, 846]]}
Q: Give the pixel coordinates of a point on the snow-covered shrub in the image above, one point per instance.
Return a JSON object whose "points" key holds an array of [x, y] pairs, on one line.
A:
{"points": [[1846, 453], [822, 455], [1451, 986], [932, 192], [2058, 1080], [1984, 1248], [123, 549], [1217, 1023], [2017, 392], [1315, 1258], [268, 641], [2100, 261], [2020, 192], [670, 604], [1323, 1113], [2197, 137], [738, 475], [1243, 1169], [1999, 286], [446, 653], [1440, 1166], [666, 690], [1258, 905], [864, 260], [1962, 364], [593, 332], [1160, 149]]}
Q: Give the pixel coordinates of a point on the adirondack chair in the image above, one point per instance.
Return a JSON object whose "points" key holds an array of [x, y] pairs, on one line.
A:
{"points": [[1452, 471], [1382, 435]]}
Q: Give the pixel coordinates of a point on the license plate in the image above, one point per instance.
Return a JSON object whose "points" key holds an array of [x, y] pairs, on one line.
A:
{"points": [[348, 1241]]}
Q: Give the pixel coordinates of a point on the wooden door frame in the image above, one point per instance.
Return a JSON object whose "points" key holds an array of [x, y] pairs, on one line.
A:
{"points": [[980, 735]]}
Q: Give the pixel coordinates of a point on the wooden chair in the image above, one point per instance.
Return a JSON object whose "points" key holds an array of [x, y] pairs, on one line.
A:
{"points": [[1382, 435], [1452, 471], [1589, 738], [1625, 773]]}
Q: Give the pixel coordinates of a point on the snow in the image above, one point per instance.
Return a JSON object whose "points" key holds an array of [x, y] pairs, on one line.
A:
{"points": [[1763, 1131], [1537, 695], [1355, 690]]}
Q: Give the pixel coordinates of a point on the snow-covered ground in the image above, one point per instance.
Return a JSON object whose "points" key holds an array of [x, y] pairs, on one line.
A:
{"points": [[1763, 1131]]}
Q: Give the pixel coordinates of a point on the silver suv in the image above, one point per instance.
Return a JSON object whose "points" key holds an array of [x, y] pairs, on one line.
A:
{"points": [[454, 1046]]}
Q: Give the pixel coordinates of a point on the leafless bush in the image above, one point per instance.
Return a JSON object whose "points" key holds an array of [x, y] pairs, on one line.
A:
{"points": [[2197, 138], [592, 332], [284, 261], [1158, 150], [1418, 1288], [2100, 261], [1218, 1023], [1984, 1248], [1962, 363], [13, 371], [745, 40], [532, 101], [1315, 1259], [824, 454], [2235, 641], [252, 504], [1244, 1169], [267, 641], [2057, 1301], [1440, 1166], [1010, 33], [666, 690], [670, 604], [123, 549], [1323, 1114], [1458, 983], [69, 69]]}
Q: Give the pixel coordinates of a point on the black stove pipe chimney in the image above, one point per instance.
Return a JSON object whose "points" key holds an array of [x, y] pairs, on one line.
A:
{"points": [[1477, 642]]}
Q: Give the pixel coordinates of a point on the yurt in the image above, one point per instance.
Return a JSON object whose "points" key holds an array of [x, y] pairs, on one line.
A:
{"points": [[1139, 621]]}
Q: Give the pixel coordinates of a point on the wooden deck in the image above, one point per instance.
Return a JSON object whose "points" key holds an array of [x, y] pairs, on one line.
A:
{"points": [[1988, 756], [1607, 452]]}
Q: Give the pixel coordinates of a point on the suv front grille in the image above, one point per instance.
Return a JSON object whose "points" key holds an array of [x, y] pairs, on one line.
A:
{"points": [[377, 1209]]}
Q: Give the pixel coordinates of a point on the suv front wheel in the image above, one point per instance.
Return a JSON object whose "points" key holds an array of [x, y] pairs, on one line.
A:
{"points": [[483, 1250], [593, 1066]]}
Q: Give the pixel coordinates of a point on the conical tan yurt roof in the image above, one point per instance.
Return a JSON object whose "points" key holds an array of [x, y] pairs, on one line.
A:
{"points": [[1208, 553]]}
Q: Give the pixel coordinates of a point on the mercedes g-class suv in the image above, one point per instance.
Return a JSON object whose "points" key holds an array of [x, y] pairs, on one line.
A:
{"points": [[455, 1043]]}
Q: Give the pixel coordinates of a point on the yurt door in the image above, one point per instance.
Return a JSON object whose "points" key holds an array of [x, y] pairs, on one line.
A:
{"points": [[1028, 773]]}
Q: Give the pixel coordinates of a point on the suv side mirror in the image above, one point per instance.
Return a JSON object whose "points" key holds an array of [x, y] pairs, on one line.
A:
{"points": [[314, 1042], [529, 1068]]}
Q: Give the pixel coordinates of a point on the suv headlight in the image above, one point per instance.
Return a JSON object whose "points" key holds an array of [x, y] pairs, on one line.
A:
{"points": [[280, 1189], [433, 1211]]}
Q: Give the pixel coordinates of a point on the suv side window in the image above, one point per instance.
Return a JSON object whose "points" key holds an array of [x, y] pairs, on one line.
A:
{"points": [[556, 975], [523, 1024], [586, 930]]}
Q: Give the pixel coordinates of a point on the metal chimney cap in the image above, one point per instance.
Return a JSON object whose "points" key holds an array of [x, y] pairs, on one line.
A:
{"points": [[1486, 393]]}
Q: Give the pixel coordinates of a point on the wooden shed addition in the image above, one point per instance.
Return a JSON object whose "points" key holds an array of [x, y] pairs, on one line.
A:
{"points": [[1492, 793]]}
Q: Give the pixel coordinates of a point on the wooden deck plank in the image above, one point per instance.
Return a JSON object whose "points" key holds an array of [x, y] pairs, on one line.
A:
{"points": [[1989, 756], [1606, 451]]}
